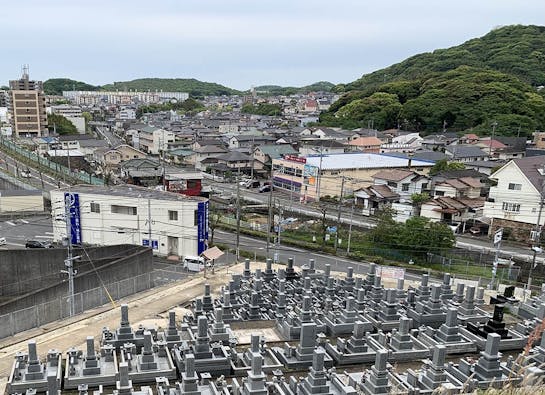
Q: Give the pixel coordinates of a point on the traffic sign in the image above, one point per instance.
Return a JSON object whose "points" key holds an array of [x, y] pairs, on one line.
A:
{"points": [[498, 235]]}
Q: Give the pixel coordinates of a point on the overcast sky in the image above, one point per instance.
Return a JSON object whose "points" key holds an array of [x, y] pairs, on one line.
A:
{"points": [[238, 43]]}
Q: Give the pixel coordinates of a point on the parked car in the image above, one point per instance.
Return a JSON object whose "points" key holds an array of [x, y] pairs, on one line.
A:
{"points": [[37, 244], [265, 188], [3, 241], [475, 230], [194, 263], [25, 173], [252, 184]]}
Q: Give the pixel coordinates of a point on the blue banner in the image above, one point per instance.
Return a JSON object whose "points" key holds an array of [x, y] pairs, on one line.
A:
{"points": [[202, 226], [75, 218]]}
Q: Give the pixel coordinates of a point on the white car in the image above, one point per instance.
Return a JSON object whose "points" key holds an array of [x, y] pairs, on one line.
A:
{"points": [[3, 241], [25, 173]]}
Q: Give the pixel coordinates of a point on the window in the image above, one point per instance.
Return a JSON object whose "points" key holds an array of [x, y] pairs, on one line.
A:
{"points": [[405, 187], [439, 193], [126, 210], [95, 207], [392, 184], [172, 215], [195, 218], [514, 187], [511, 207]]}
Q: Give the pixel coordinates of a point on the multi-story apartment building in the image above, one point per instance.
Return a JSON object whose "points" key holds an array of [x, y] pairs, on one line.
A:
{"points": [[27, 107], [153, 140]]}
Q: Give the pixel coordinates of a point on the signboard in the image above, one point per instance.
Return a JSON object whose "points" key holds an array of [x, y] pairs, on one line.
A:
{"points": [[294, 158], [391, 272], [177, 186], [154, 243], [498, 235], [309, 174], [202, 226], [72, 199]]}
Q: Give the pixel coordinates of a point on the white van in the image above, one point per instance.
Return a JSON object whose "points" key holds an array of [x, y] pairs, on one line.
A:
{"points": [[193, 263]]}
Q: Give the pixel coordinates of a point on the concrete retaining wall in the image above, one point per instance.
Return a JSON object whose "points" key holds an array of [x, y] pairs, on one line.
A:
{"points": [[31, 277]]}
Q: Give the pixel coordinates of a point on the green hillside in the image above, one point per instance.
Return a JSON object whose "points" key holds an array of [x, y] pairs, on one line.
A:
{"points": [[194, 87], [55, 86], [467, 87], [274, 90]]}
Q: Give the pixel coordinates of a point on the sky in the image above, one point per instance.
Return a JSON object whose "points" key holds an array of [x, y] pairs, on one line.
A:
{"points": [[238, 43]]}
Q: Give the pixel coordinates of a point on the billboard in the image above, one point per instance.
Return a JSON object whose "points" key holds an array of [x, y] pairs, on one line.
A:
{"points": [[309, 174], [72, 199], [202, 226]]}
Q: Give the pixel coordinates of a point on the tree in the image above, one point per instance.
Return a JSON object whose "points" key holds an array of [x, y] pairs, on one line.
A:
{"points": [[420, 235], [61, 125], [418, 199], [387, 229], [444, 165]]}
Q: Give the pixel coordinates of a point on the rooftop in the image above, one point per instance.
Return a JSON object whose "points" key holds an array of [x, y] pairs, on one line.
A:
{"points": [[131, 191], [393, 175], [362, 161]]}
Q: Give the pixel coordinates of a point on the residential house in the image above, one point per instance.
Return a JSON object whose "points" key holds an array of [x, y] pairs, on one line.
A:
{"points": [[366, 144], [326, 134], [485, 166], [514, 203], [439, 141], [464, 153], [402, 182], [539, 140], [249, 141], [469, 187], [318, 147], [266, 153], [408, 142], [453, 211], [233, 162], [112, 157], [179, 155], [515, 147], [203, 153], [374, 198]]}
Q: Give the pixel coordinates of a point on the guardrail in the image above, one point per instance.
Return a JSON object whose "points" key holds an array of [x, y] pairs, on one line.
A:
{"points": [[52, 166]]}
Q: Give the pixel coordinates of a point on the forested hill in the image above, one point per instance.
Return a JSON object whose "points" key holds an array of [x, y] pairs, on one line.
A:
{"points": [[194, 87], [321, 86], [494, 78], [55, 86]]}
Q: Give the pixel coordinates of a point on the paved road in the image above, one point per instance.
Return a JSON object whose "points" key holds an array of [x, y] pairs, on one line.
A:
{"points": [[301, 256], [110, 137], [507, 250], [289, 204], [18, 231], [37, 179]]}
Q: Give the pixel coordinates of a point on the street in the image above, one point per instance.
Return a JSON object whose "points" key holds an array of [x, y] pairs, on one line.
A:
{"points": [[37, 179]]}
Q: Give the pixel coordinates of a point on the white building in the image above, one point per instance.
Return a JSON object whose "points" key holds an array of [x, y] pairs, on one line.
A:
{"points": [[126, 214], [154, 140], [514, 203]]}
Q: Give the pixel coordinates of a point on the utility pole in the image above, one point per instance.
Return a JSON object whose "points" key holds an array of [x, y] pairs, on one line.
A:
{"points": [[339, 215], [238, 220], [69, 261], [149, 224], [494, 124], [350, 227], [280, 214], [537, 237], [269, 220]]}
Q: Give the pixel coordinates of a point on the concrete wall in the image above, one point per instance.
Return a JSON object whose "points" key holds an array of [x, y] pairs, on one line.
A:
{"points": [[42, 267]]}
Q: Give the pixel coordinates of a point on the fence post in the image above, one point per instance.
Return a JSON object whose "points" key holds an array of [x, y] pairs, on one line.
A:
{"points": [[37, 316], [12, 323]]}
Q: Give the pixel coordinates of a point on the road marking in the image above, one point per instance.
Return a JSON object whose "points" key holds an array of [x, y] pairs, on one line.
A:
{"points": [[43, 237], [10, 223], [49, 233], [24, 221]]}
